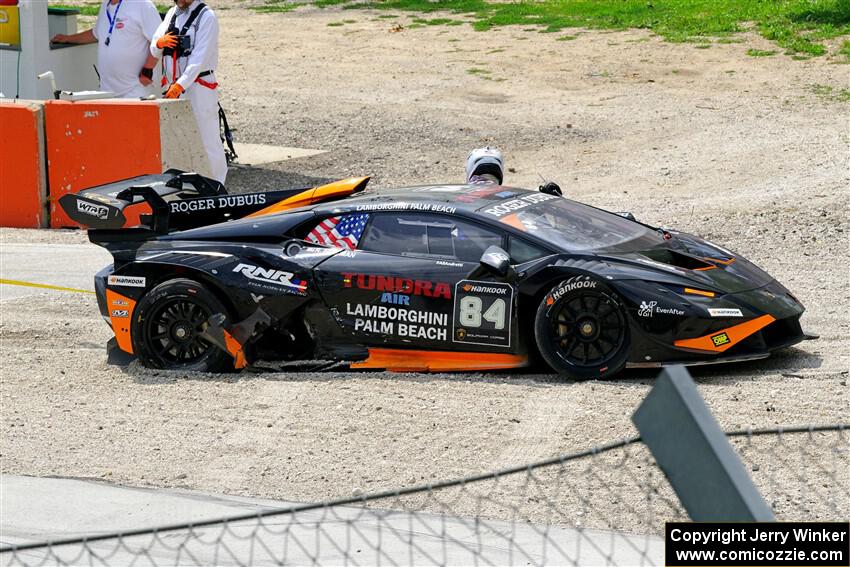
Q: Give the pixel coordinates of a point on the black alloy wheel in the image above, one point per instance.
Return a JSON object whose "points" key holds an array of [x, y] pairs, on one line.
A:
{"points": [[581, 329], [588, 329], [169, 324], [173, 332]]}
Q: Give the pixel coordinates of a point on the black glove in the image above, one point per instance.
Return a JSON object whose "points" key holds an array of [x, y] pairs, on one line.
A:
{"points": [[551, 188]]}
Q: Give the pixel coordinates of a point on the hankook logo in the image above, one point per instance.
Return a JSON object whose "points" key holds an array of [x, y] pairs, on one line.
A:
{"points": [[129, 281], [485, 289], [569, 286]]}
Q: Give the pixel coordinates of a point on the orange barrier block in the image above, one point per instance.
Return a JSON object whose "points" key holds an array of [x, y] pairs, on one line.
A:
{"points": [[23, 187], [91, 143]]}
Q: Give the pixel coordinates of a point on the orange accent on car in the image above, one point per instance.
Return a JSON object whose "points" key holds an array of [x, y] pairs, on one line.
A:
{"points": [[719, 341], [513, 220], [402, 360], [235, 350], [341, 188], [714, 261], [693, 291], [117, 303]]}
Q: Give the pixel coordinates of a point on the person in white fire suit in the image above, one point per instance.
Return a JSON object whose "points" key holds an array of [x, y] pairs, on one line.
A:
{"points": [[187, 43]]}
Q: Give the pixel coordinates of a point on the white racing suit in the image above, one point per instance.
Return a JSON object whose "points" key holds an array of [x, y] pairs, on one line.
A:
{"points": [[485, 179], [196, 74]]}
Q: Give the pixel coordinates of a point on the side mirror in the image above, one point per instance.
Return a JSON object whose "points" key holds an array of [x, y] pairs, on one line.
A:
{"points": [[496, 260]]}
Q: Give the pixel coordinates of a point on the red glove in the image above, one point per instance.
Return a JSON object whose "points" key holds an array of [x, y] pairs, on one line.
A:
{"points": [[168, 40], [174, 91]]}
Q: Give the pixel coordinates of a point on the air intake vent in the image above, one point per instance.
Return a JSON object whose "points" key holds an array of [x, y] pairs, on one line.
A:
{"points": [[678, 259]]}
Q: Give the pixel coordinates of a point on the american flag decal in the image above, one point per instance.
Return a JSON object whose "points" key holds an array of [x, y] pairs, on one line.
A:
{"points": [[343, 231]]}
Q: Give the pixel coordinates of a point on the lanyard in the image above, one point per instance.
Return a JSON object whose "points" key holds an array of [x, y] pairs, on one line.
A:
{"points": [[112, 19]]}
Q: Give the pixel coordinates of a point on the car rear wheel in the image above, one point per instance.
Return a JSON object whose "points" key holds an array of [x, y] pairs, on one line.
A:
{"points": [[168, 326], [581, 329]]}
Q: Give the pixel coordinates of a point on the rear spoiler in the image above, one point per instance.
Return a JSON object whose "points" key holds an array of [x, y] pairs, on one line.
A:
{"points": [[152, 205]]}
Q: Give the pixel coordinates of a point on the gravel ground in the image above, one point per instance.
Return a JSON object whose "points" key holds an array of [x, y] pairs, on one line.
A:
{"points": [[734, 148]]}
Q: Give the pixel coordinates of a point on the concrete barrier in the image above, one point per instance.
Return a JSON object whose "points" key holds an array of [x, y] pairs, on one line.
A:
{"points": [[23, 183], [179, 138], [92, 143]]}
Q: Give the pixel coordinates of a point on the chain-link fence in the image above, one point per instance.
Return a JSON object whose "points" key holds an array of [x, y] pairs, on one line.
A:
{"points": [[605, 506], [802, 473]]}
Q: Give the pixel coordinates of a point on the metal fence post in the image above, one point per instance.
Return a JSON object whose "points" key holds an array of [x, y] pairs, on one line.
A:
{"points": [[694, 453]]}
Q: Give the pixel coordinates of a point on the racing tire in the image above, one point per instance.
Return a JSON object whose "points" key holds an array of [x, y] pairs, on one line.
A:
{"points": [[581, 329], [167, 325]]}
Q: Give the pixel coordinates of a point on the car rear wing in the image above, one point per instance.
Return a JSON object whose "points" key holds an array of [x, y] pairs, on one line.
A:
{"points": [[151, 205]]}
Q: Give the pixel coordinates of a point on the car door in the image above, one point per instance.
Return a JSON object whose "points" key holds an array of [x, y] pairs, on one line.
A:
{"points": [[405, 281]]}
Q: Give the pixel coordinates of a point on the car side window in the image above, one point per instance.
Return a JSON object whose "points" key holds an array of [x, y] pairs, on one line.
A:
{"points": [[521, 251], [431, 235], [391, 234]]}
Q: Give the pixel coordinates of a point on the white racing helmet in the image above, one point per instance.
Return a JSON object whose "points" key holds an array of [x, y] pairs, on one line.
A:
{"points": [[485, 161]]}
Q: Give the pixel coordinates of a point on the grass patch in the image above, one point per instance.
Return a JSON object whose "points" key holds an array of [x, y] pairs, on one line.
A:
{"points": [[335, 24], [437, 22], [827, 92], [87, 10], [485, 74], [844, 51], [567, 38], [798, 26], [275, 6], [761, 52], [92, 8]]}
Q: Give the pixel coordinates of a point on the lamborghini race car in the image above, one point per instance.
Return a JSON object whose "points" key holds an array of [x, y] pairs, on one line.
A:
{"points": [[433, 278]]}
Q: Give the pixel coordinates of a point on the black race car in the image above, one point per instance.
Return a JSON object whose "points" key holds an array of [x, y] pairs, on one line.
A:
{"points": [[434, 278]]}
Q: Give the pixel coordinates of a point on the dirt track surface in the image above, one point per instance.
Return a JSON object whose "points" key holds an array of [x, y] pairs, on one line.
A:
{"points": [[734, 148]]}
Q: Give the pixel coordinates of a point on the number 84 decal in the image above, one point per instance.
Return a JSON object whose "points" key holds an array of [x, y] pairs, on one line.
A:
{"points": [[482, 313]]}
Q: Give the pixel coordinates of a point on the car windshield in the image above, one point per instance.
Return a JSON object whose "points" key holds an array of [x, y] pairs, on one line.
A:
{"points": [[573, 226]]}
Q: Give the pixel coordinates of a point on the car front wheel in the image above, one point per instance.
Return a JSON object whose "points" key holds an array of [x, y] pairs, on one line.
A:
{"points": [[581, 329]]}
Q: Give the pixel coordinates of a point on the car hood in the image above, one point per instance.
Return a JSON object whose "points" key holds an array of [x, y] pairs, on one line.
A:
{"points": [[698, 261]]}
